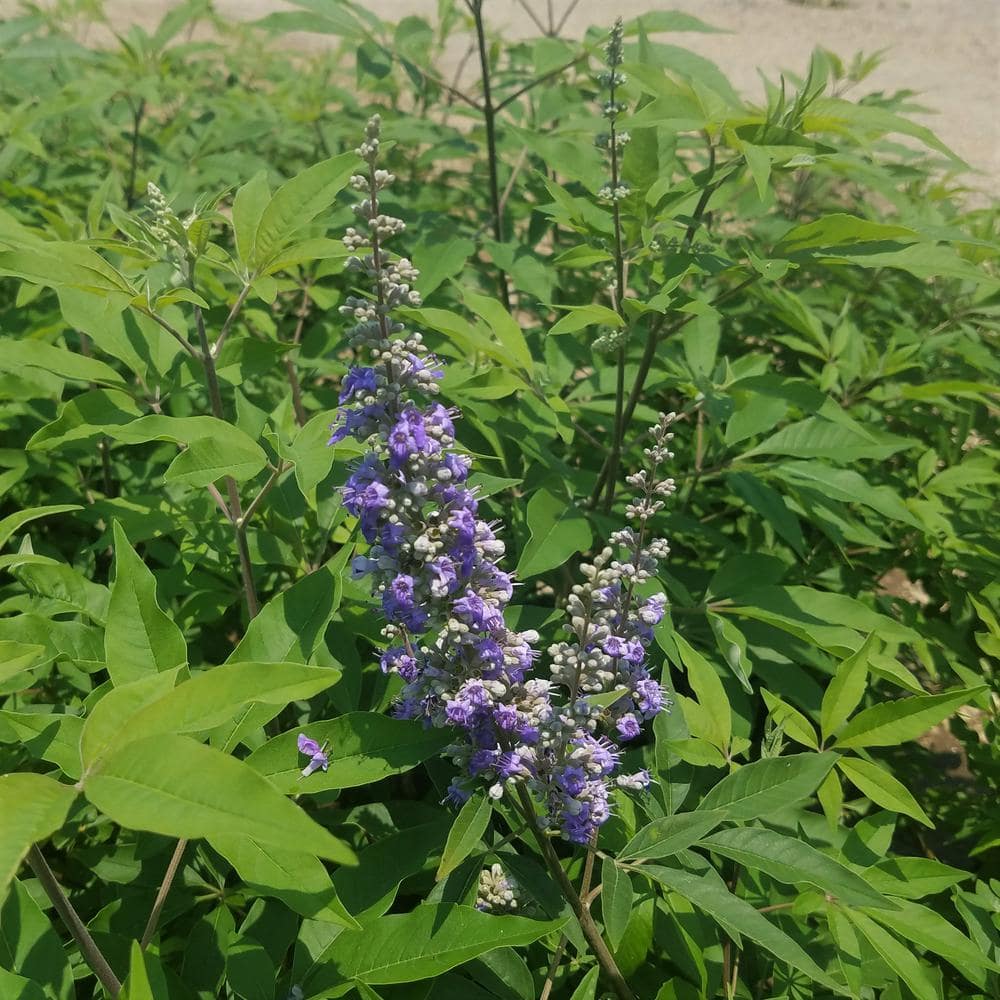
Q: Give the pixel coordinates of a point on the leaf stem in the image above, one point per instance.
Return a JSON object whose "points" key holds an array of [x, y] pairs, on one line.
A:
{"points": [[619, 304], [600, 950], [489, 119], [227, 325], [93, 955], [137, 115], [235, 506], [162, 893], [550, 975], [657, 335]]}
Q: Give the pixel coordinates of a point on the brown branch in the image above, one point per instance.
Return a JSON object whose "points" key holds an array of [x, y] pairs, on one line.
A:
{"points": [[92, 955], [162, 893]]}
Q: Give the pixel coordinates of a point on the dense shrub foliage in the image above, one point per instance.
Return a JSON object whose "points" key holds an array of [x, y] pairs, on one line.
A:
{"points": [[436, 711]]}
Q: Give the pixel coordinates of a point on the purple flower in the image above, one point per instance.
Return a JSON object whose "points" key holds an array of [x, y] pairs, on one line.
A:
{"points": [[317, 754], [357, 380]]}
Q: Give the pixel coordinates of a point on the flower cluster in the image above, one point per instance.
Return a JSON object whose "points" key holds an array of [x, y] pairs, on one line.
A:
{"points": [[498, 892], [616, 139], [611, 627], [435, 565]]}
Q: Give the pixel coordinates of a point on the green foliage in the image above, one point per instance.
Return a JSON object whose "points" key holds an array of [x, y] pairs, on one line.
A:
{"points": [[814, 297]]}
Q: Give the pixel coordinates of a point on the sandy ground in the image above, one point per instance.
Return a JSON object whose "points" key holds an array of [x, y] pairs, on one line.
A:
{"points": [[945, 50]]}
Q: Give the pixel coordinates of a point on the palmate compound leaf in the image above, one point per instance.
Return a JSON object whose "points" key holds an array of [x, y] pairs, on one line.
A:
{"points": [[405, 947], [714, 899], [176, 786], [32, 807], [767, 785], [363, 747]]}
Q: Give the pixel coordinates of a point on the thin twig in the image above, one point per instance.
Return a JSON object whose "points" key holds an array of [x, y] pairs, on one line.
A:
{"points": [[597, 945], [657, 334], [619, 303], [161, 895], [489, 119], [235, 507], [92, 955], [566, 16], [213, 492], [550, 975], [538, 80], [264, 490], [533, 16], [130, 192], [228, 324], [173, 331]]}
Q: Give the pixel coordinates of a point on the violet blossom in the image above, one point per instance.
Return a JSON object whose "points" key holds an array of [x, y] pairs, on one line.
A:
{"points": [[435, 566]]}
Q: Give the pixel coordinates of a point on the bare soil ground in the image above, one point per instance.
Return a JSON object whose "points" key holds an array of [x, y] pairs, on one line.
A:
{"points": [[944, 50]]}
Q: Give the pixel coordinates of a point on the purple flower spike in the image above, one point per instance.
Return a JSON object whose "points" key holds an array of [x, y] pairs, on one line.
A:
{"points": [[318, 758], [435, 567]]}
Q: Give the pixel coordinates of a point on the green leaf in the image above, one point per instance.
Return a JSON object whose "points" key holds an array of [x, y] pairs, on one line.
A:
{"points": [[616, 901], [882, 788], [771, 506], [791, 720], [894, 722], [768, 785], [31, 948], [467, 830], [369, 889], [587, 988], [913, 878], [212, 696], [713, 898], [13, 523], [432, 939], [364, 747], [578, 317], [49, 736], [897, 956], [207, 460], [841, 229], [558, 530], [19, 354], [291, 625], [848, 486], [437, 261], [299, 880], [297, 202], [711, 694], [59, 264], [671, 834], [84, 418], [139, 639], [732, 645], [503, 326], [847, 688], [928, 929], [145, 977], [248, 206], [793, 862], [815, 437], [33, 807], [178, 787]]}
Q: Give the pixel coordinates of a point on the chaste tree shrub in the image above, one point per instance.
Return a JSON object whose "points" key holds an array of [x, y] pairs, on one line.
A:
{"points": [[349, 405]]}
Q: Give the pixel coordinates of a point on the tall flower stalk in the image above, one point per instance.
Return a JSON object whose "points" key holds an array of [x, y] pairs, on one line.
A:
{"points": [[614, 192], [435, 566]]}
